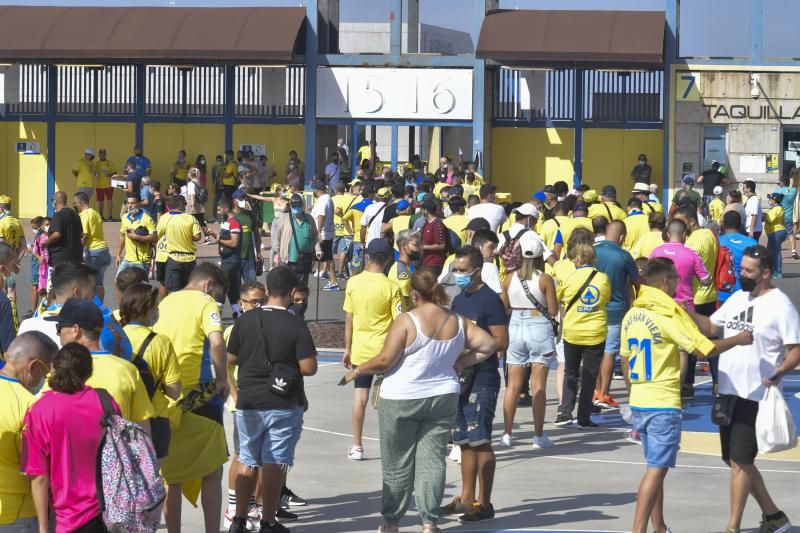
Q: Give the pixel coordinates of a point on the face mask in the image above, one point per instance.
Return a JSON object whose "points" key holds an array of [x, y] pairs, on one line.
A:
{"points": [[747, 284], [46, 229], [415, 255], [420, 196], [641, 163], [297, 210], [463, 281], [298, 309], [202, 161], [219, 163]]}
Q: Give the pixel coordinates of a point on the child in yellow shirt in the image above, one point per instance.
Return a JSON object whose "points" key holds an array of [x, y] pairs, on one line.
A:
{"points": [[776, 232]]}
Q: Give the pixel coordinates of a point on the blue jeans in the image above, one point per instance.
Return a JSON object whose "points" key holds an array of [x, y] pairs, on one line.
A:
{"points": [[476, 410], [249, 269], [98, 260], [660, 430], [124, 265], [774, 242]]}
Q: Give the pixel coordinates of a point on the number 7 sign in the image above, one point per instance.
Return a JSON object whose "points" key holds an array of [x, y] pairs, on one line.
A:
{"points": [[686, 89]]}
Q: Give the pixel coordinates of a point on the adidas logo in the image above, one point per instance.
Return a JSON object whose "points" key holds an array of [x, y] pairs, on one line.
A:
{"points": [[742, 322], [279, 384]]}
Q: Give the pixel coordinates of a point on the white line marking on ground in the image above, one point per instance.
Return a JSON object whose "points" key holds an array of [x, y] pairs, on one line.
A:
{"points": [[317, 430], [707, 467], [320, 365]]}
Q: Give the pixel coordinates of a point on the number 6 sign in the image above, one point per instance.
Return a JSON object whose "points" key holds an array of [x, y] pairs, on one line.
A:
{"points": [[394, 93]]}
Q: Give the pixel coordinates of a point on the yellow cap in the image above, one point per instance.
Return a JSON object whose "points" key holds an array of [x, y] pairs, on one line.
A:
{"points": [[384, 192], [5, 199], [355, 181], [590, 196]]}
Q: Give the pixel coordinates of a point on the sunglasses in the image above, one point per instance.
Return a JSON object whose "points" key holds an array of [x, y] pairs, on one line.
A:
{"points": [[254, 302], [60, 326]]}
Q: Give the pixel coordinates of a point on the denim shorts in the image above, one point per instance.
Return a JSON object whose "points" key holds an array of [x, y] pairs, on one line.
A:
{"points": [[268, 437], [21, 525], [661, 435], [342, 244], [531, 339], [125, 264], [613, 339], [98, 260], [476, 411]]}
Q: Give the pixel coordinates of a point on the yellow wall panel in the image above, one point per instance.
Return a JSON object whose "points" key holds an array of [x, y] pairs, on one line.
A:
{"points": [[26, 175], [279, 139], [610, 154], [525, 159], [208, 140], [118, 140], [161, 145]]}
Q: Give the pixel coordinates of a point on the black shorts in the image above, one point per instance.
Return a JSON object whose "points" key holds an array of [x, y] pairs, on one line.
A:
{"points": [[161, 270], [738, 440], [327, 250], [162, 433], [362, 382], [176, 274]]}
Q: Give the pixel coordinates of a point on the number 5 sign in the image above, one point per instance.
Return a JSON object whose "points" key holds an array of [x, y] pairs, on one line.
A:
{"points": [[686, 88], [394, 93]]}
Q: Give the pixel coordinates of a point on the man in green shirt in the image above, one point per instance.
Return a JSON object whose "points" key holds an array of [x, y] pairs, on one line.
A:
{"points": [[249, 242], [687, 189]]}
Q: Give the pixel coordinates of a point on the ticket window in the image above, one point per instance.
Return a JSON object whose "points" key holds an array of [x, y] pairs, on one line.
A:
{"points": [[790, 149], [714, 147]]}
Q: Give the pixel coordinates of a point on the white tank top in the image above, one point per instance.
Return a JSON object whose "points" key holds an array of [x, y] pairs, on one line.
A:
{"points": [[516, 294], [426, 367]]}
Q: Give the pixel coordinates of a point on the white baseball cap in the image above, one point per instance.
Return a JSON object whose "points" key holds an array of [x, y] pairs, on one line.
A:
{"points": [[717, 190], [531, 245], [527, 210], [89, 151]]}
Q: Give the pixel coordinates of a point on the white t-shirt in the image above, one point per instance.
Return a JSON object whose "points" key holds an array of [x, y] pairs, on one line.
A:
{"points": [[323, 207], [38, 323], [374, 229], [191, 190], [775, 324], [753, 208], [494, 214], [514, 230], [490, 275]]}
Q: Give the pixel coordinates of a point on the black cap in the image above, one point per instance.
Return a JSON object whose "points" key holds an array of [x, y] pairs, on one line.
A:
{"points": [[378, 247], [77, 312], [296, 201], [549, 189], [477, 224], [318, 186], [609, 190]]}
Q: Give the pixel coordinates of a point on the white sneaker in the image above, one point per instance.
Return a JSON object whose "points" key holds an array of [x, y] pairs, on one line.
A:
{"points": [[355, 453], [455, 454], [540, 443], [505, 441]]}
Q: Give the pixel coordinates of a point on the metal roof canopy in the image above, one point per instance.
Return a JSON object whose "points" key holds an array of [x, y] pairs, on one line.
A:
{"points": [[632, 39], [150, 33]]}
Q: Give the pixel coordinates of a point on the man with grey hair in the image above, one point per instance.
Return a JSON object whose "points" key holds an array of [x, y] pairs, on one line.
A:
{"points": [[27, 363], [408, 243]]}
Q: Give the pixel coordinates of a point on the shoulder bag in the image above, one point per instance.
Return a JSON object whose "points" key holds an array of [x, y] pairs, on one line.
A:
{"points": [[580, 291], [539, 307], [284, 377]]}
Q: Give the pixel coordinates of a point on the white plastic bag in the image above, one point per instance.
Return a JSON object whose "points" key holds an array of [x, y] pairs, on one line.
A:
{"points": [[775, 428]]}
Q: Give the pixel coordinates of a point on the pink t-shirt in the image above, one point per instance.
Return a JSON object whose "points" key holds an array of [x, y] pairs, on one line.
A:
{"points": [[60, 438], [687, 263]]}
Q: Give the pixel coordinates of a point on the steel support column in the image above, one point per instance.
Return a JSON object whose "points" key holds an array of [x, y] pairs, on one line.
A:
{"points": [[310, 118], [479, 8], [141, 87], [230, 101], [395, 140], [395, 30], [52, 93], [670, 53], [578, 149]]}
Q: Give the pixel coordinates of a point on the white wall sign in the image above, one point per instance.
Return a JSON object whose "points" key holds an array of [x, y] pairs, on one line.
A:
{"points": [[28, 147], [753, 164], [394, 93], [257, 149]]}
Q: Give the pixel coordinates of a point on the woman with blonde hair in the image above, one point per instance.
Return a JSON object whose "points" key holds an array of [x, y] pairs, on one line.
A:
{"points": [[530, 296], [424, 351], [584, 294]]}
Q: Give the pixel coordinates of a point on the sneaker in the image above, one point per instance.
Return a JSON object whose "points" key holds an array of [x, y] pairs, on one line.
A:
{"points": [[542, 442], [355, 453], [587, 424], [477, 513], [687, 392], [455, 454], [505, 441], [634, 437], [342, 276], [563, 420], [525, 400], [596, 410], [596, 399], [273, 527], [794, 255], [610, 403], [779, 525], [237, 525], [331, 287], [618, 374], [454, 507], [285, 515], [230, 514], [253, 517], [731, 530], [290, 499], [111, 219], [207, 241]]}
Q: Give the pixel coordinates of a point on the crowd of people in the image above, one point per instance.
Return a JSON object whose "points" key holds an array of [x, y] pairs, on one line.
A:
{"points": [[467, 289]]}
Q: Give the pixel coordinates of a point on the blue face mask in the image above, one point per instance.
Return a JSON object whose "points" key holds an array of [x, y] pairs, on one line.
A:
{"points": [[463, 281], [297, 210]]}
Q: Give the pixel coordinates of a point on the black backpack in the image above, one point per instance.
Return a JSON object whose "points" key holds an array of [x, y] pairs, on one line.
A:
{"points": [[150, 382]]}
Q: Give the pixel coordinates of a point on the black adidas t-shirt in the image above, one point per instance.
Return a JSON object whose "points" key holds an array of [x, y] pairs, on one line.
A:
{"points": [[285, 337]]}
